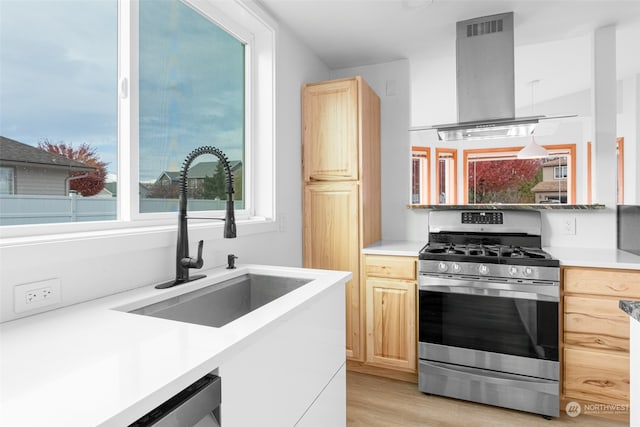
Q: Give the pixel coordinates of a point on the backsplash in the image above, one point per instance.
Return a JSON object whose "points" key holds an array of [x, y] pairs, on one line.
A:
{"points": [[629, 228]]}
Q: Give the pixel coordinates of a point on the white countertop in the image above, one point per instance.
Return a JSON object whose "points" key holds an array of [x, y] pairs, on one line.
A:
{"points": [[93, 365], [595, 257], [394, 247]]}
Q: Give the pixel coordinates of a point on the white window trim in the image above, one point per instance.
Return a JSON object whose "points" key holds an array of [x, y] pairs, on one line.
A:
{"points": [[242, 17]]}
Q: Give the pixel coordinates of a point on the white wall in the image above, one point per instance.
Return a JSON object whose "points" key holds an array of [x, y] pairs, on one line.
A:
{"points": [[93, 267], [391, 81], [429, 98]]}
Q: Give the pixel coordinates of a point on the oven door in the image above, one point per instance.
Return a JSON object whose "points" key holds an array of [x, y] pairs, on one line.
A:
{"points": [[489, 325]]}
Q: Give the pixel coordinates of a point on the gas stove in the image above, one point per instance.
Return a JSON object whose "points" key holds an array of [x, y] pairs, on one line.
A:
{"points": [[488, 310], [472, 242]]}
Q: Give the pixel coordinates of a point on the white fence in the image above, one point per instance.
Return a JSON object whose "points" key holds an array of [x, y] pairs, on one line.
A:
{"points": [[25, 209]]}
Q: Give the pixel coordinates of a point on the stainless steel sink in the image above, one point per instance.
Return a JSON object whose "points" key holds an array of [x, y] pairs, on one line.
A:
{"points": [[223, 302]]}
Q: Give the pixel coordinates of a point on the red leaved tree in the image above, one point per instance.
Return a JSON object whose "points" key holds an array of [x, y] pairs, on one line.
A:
{"points": [[496, 180], [93, 182]]}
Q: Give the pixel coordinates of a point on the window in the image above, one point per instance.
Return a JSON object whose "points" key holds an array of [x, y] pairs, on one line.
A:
{"points": [[419, 175], [560, 172], [192, 93], [620, 158], [7, 184], [58, 89], [446, 176], [141, 83], [498, 176], [620, 164]]}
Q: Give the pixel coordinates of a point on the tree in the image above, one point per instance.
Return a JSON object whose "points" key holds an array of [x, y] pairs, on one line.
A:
{"points": [[89, 185], [492, 181], [216, 187]]}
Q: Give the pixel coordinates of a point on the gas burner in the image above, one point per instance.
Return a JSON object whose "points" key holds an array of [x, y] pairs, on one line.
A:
{"points": [[444, 249], [519, 252], [482, 251]]}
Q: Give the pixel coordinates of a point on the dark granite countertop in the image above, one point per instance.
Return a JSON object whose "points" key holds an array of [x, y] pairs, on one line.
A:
{"points": [[499, 206], [632, 308]]}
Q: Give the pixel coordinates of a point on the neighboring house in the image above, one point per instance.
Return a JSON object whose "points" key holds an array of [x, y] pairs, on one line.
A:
{"points": [[168, 178], [553, 187], [28, 170], [197, 174]]}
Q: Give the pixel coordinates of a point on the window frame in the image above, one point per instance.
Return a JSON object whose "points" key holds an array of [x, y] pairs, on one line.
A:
{"points": [[258, 31], [453, 175], [571, 170], [12, 185], [424, 175], [560, 172]]}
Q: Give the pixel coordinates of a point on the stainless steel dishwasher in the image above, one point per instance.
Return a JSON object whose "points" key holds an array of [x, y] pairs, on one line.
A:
{"points": [[196, 406]]}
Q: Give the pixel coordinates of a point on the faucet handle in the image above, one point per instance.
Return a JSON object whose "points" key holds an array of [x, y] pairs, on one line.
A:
{"points": [[194, 263], [200, 261]]}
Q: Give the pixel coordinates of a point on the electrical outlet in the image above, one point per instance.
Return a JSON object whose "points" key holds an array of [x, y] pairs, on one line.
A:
{"points": [[35, 295], [569, 226]]}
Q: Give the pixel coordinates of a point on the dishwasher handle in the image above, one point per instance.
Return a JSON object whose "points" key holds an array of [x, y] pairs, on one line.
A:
{"points": [[187, 408]]}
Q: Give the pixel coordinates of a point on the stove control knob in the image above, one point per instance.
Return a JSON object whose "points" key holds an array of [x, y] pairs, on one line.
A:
{"points": [[483, 269], [528, 271], [456, 267], [442, 267], [513, 270]]}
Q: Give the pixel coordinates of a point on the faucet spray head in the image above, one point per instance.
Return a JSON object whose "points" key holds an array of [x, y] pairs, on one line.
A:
{"points": [[229, 221]]}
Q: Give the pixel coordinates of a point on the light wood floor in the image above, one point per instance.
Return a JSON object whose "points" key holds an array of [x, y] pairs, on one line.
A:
{"points": [[380, 402]]}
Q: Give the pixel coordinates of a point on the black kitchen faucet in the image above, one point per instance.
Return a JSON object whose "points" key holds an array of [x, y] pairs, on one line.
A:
{"points": [[183, 261]]}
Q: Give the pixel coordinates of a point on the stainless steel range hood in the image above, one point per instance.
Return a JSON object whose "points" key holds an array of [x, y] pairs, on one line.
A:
{"points": [[485, 82]]}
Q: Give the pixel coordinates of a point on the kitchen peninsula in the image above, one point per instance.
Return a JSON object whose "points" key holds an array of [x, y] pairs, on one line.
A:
{"points": [[96, 364]]}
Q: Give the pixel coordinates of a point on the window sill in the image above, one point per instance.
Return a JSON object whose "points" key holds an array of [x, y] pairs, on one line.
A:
{"points": [[54, 233]]}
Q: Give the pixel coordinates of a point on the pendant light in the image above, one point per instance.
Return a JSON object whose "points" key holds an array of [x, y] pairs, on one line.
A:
{"points": [[532, 150]]}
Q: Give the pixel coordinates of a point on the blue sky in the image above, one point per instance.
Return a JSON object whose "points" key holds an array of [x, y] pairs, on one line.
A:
{"points": [[58, 79], [58, 76]]}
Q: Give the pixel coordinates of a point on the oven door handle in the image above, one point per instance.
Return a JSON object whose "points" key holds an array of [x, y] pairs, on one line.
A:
{"points": [[484, 288]]}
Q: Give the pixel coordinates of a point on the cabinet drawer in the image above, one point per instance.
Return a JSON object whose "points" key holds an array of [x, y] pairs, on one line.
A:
{"points": [[596, 376], [618, 283], [595, 323], [397, 267]]}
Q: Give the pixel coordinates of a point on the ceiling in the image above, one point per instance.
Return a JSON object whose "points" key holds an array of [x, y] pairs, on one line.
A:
{"points": [[348, 33]]}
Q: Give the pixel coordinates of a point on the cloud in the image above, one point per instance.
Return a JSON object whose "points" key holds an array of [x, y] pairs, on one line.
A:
{"points": [[59, 79]]}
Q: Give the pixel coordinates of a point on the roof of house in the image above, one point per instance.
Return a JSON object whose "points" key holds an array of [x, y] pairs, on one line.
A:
{"points": [[203, 169], [17, 152], [173, 176], [200, 170], [558, 161], [548, 186]]}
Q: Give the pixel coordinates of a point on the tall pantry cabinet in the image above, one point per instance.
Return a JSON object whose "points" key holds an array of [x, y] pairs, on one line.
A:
{"points": [[341, 186]]}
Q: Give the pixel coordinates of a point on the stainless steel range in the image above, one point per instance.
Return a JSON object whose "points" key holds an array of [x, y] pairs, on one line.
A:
{"points": [[488, 310]]}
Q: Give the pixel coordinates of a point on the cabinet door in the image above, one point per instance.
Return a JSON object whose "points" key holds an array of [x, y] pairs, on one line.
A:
{"points": [[391, 323], [331, 242], [596, 376], [330, 131]]}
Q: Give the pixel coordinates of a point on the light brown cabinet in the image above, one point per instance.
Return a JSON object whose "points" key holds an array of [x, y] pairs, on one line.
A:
{"points": [[596, 336], [341, 186], [390, 283]]}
